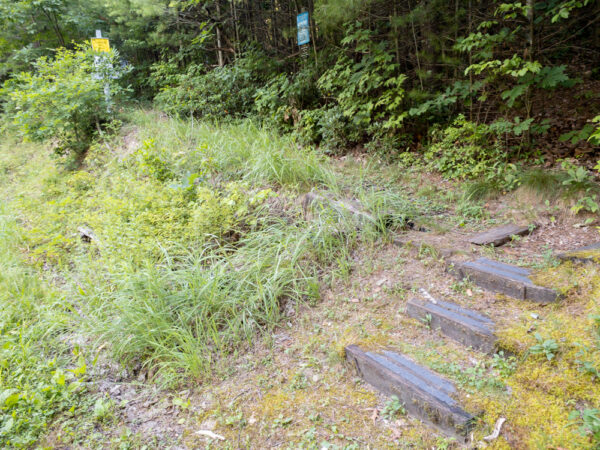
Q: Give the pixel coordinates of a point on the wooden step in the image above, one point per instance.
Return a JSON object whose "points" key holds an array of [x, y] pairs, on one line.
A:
{"points": [[503, 278], [463, 325], [589, 253], [425, 394], [499, 235]]}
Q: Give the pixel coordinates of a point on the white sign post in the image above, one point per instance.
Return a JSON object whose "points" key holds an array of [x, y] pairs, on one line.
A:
{"points": [[101, 44]]}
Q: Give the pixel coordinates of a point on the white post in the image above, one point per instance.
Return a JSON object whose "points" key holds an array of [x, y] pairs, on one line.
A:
{"points": [[106, 85]]}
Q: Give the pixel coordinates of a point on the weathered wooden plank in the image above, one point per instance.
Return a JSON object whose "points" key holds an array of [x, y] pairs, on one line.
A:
{"points": [[589, 253], [353, 208], [503, 278], [425, 394], [350, 207], [499, 235], [463, 325]]}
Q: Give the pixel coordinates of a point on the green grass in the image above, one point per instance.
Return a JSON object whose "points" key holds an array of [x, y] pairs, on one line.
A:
{"points": [[181, 317], [198, 239], [239, 151], [547, 184], [40, 372]]}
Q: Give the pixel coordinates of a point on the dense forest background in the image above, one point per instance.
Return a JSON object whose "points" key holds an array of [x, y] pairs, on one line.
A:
{"points": [[523, 78]]}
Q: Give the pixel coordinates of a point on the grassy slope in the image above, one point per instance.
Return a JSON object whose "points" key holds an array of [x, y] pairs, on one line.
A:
{"points": [[181, 269], [182, 277]]}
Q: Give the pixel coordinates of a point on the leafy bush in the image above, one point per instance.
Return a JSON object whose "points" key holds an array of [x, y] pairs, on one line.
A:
{"points": [[286, 100], [368, 90], [334, 129], [212, 93], [579, 180], [63, 99], [464, 150]]}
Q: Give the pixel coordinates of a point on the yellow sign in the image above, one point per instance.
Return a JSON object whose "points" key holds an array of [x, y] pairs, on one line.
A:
{"points": [[100, 45]]}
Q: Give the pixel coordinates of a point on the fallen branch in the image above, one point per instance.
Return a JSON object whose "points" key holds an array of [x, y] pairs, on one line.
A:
{"points": [[497, 429], [210, 434]]}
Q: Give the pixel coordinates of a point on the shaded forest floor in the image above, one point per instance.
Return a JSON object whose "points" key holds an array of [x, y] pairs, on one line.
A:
{"points": [[73, 309]]}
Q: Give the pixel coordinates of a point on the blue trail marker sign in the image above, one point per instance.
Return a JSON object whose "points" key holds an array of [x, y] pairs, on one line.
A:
{"points": [[303, 28]]}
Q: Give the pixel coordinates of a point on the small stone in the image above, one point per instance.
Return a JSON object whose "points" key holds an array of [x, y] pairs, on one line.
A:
{"points": [[315, 378]]}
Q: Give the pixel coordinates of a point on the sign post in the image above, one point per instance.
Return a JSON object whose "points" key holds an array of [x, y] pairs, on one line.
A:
{"points": [[101, 45], [303, 25], [303, 29]]}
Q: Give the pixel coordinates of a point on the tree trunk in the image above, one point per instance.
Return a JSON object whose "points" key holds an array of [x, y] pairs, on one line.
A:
{"points": [[219, 51]]}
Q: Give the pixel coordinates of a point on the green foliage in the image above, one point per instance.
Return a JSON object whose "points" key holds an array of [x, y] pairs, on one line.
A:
{"points": [[40, 376], [63, 100], [595, 136], [578, 179], [393, 408], [464, 150], [31, 29], [575, 136], [505, 365], [186, 262], [547, 347], [286, 100], [369, 89], [153, 161], [516, 77], [227, 91], [589, 423]]}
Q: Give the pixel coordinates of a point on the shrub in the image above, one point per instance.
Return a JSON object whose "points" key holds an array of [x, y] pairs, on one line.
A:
{"points": [[464, 150], [63, 99], [286, 102], [369, 90], [222, 92]]}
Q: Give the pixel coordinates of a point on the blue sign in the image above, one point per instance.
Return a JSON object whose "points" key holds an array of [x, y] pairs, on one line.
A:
{"points": [[303, 28]]}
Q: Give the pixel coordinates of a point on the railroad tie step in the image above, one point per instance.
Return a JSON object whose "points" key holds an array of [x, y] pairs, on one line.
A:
{"points": [[425, 394], [503, 278], [465, 326], [589, 253], [499, 235]]}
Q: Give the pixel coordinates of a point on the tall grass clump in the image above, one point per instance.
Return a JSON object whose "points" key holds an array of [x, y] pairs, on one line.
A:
{"points": [[239, 150], [183, 316]]}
